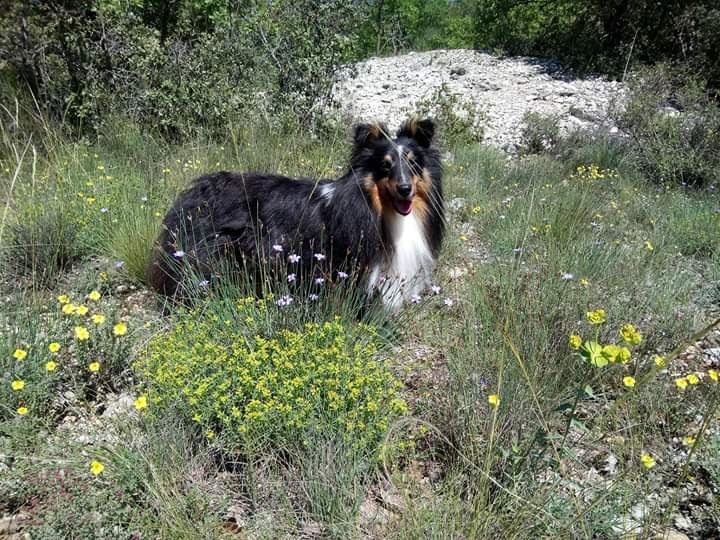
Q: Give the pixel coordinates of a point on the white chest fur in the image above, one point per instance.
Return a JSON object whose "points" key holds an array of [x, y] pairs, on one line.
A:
{"points": [[408, 267]]}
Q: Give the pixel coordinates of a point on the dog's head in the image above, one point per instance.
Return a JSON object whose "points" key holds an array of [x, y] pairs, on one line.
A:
{"points": [[396, 170]]}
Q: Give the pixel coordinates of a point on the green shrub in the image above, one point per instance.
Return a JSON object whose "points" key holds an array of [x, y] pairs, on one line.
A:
{"points": [[185, 67], [598, 36], [459, 120], [674, 127], [272, 390], [540, 133]]}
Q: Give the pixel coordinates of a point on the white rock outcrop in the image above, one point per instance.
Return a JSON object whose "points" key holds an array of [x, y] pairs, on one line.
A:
{"points": [[502, 89]]}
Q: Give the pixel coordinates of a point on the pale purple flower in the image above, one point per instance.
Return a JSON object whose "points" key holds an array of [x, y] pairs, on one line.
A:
{"points": [[342, 275], [435, 289], [119, 264], [179, 254], [291, 278], [567, 276], [104, 210], [293, 258], [319, 281], [204, 284], [448, 302], [313, 297], [415, 299], [319, 256], [277, 248], [284, 300], [143, 198]]}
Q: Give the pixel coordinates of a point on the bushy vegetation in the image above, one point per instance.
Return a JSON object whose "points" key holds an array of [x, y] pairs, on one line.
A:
{"points": [[540, 133], [605, 37], [673, 125], [179, 67], [459, 120], [257, 391]]}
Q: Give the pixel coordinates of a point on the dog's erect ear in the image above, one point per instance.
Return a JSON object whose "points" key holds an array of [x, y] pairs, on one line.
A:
{"points": [[366, 134], [422, 131]]}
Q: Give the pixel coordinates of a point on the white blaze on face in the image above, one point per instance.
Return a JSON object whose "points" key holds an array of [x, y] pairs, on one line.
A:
{"points": [[403, 176], [409, 268]]}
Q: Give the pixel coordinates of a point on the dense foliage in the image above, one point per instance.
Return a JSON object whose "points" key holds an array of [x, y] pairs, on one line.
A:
{"points": [[605, 36], [178, 66], [259, 390], [192, 65]]}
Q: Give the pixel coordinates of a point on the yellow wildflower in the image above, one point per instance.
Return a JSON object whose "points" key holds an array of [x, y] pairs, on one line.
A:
{"points": [[97, 318], [596, 316], [611, 352], [494, 400], [624, 355], [22, 411], [629, 381], [575, 341], [94, 367], [693, 379], [81, 333], [141, 403], [630, 334], [94, 296], [647, 460], [660, 361], [20, 354], [648, 245], [81, 310], [50, 366], [68, 309], [681, 383], [96, 467], [689, 440], [17, 385], [584, 282], [63, 299], [713, 374], [120, 329], [54, 347]]}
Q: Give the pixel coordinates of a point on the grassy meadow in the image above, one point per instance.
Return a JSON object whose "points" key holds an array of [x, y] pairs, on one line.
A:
{"points": [[543, 388]]}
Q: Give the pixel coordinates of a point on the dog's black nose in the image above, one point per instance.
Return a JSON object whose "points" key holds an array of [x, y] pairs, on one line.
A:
{"points": [[404, 190]]}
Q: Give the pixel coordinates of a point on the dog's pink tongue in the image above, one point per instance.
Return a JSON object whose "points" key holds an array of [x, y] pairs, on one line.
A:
{"points": [[403, 207]]}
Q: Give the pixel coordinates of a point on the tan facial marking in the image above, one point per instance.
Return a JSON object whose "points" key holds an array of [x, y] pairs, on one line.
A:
{"points": [[372, 190]]}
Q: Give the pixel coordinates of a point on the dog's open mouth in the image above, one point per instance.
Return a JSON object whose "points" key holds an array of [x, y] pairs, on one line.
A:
{"points": [[403, 207]]}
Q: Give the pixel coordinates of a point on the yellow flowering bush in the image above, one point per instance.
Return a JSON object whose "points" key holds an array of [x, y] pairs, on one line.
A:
{"points": [[61, 347], [269, 391]]}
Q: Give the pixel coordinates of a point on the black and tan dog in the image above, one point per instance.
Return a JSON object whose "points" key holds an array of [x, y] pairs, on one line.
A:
{"points": [[382, 221]]}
